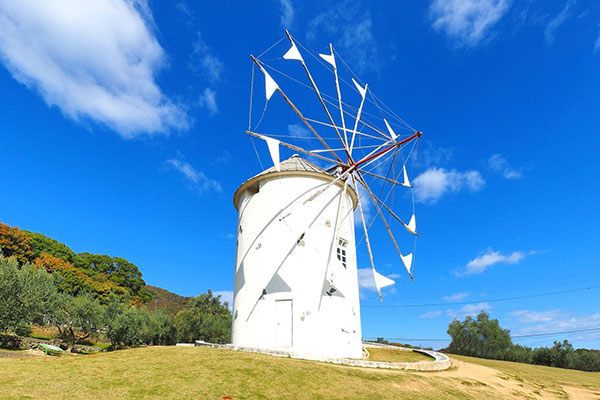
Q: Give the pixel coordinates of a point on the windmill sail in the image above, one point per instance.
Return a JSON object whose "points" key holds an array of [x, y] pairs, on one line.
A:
{"points": [[293, 53], [273, 145]]}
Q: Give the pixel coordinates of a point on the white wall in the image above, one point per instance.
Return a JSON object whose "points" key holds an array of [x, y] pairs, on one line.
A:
{"points": [[270, 224]]}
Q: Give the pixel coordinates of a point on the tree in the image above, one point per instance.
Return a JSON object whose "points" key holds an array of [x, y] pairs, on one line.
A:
{"points": [[207, 319], [73, 281], [125, 324], [77, 318], [480, 337], [26, 294], [15, 243]]}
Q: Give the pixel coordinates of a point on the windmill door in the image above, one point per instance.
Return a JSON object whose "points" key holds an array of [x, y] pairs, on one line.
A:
{"points": [[283, 321]]}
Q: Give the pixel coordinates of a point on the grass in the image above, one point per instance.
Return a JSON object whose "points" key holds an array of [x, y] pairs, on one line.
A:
{"points": [[205, 373], [395, 355]]}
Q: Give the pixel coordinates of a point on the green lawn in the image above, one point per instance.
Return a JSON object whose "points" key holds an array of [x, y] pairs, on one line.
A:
{"points": [[395, 355], [205, 373]]}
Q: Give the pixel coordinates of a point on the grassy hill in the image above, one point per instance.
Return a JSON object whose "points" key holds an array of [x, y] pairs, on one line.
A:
{"points": [[204, 373]]}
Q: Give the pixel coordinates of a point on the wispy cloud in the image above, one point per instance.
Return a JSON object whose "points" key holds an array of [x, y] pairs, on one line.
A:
{"points": [[208, 99], [499, 164], [490, 258], [467, 21], [556, 22], [351, 26], [205, 62], [287, 13], [539, 322], [528, 316], [93, 60], [468, 310], [365, 279], [430, 315], [196, 178], [597, 45], [434, 183], [472, 309], [456, 297]]}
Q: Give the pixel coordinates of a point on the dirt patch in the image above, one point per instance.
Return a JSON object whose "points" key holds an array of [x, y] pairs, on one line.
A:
{"points": [[475, 378]]}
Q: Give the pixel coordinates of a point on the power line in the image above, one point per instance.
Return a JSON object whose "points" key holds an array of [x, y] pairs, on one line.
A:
{"points": [[482, 300], [512, 337]]}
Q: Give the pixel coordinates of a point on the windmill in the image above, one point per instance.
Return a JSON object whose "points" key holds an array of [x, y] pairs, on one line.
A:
{"points": [[296, 284]]}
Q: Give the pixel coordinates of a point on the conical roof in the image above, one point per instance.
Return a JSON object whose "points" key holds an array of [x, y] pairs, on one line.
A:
{"points": [[295, 165]]}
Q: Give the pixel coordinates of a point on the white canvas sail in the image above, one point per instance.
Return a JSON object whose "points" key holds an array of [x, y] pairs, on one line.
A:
{"points": [[273, 145], [407, 261], [390, 130], [270, 84], [381, 281], [293, 53], [406, 181], [329, 58]]}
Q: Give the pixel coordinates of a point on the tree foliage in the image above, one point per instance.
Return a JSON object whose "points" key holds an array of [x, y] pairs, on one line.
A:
{"points": [[26, 294], [99, 275], [483, 337], [207, 319]]}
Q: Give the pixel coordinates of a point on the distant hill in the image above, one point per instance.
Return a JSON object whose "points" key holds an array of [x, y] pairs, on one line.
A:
{"points": [[170, 302]]}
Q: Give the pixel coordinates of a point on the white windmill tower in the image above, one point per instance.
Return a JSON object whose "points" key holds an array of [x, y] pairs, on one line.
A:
{"points": [[296, 284]]}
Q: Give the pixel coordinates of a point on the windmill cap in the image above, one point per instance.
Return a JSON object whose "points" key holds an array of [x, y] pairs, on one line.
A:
{"points": [[293, 166]]}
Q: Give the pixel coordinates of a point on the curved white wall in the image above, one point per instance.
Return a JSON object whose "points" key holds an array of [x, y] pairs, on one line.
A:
{"points": [[284, 245]]}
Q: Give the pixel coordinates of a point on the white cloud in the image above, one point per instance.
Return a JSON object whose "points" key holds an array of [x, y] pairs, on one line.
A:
{"points": [[366, 279], [352, 28], [197, 178], [556, 321], [205, 61], [499, 164], [430, 315], [473, 309], [490, 258], [556, 22], [208, 100], [230, 236], [528, 316], [287, 14], [468, 310], [456, 297], [467, 21], [299, 131], [226, 296], [434, 183], [91, 59]]}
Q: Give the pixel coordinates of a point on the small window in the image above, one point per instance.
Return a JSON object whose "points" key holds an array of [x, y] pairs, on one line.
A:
{"points": [[342, 242], [341, 255]]}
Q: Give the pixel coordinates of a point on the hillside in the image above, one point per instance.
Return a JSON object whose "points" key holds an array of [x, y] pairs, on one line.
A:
{"points": [[205, 373], [100, 275], [170, 302]]}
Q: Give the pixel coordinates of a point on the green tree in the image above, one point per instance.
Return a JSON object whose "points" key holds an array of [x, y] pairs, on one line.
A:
{"points": [[479, 337], [207, 319], [77, 318], [26, 294]]}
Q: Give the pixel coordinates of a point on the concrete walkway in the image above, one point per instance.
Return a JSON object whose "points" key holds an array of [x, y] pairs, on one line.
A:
{"points": [[440, 361]]}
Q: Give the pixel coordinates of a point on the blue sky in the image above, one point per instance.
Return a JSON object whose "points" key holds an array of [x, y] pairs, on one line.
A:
{"points": [[122, 132]]}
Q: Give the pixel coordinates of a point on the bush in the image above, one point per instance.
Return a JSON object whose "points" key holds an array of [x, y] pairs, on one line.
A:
{"points": [[23, 330]]}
